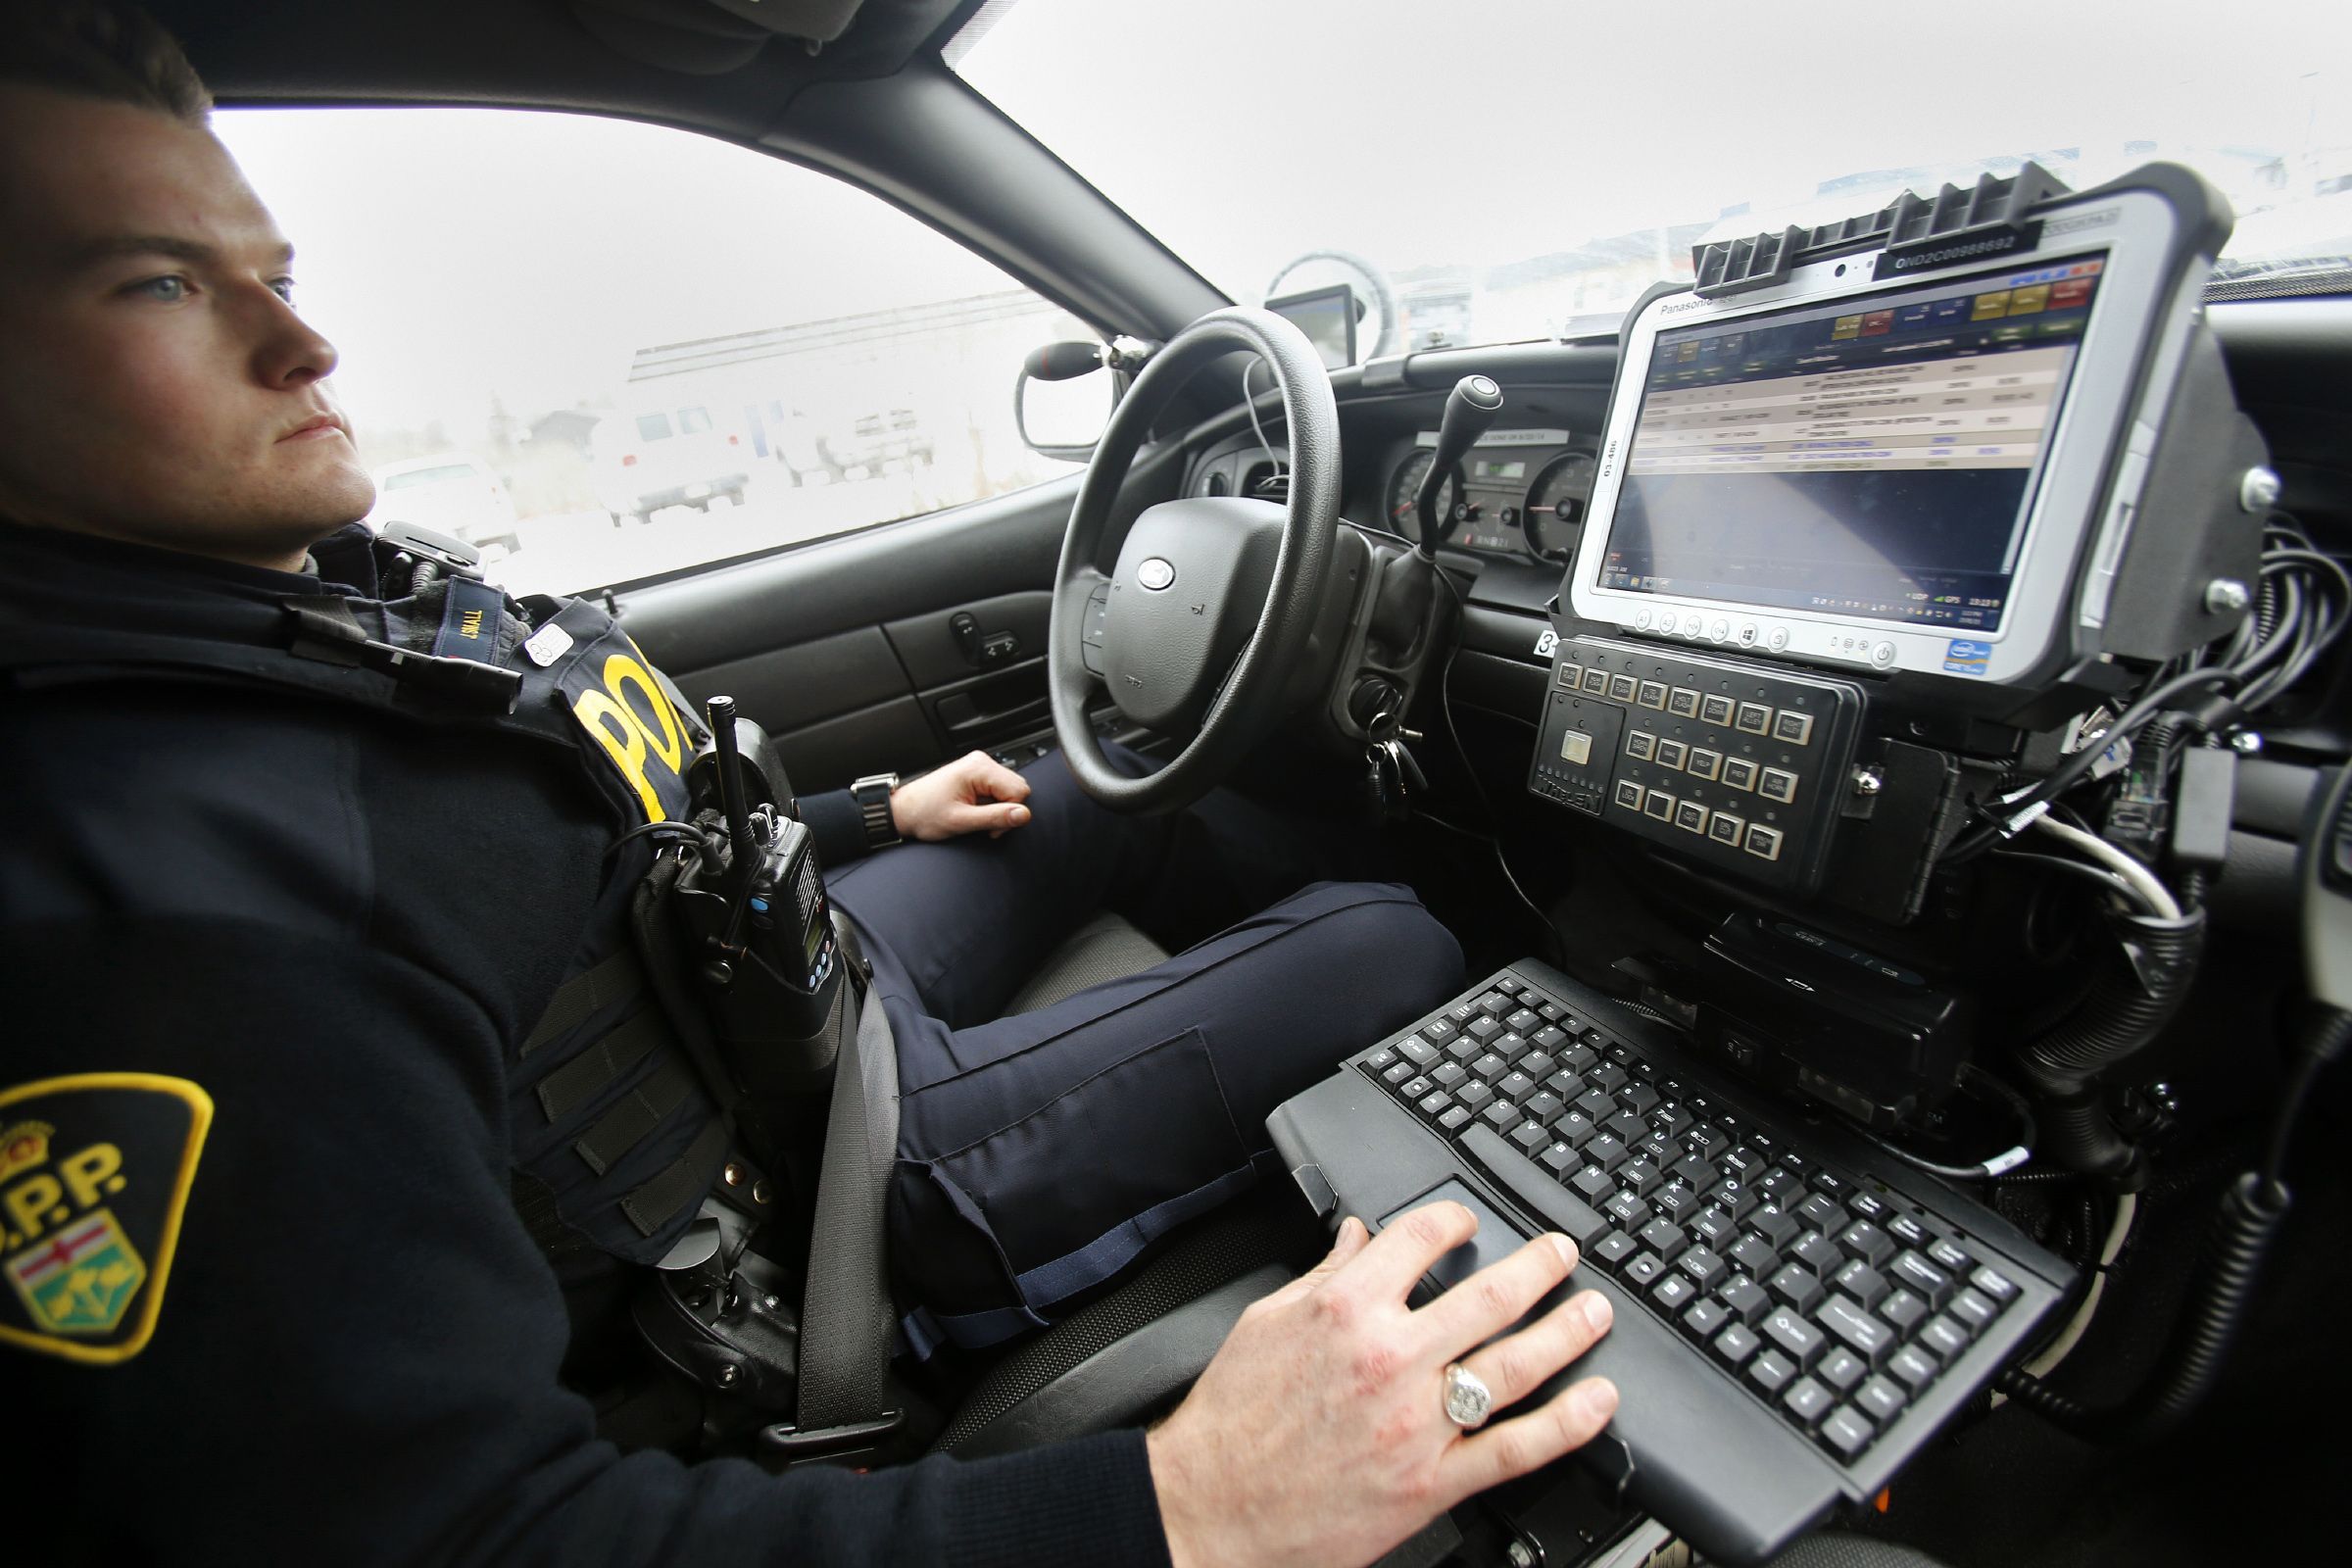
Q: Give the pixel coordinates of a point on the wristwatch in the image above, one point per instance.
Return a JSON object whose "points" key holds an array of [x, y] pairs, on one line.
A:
{"points": [[872, 795]]}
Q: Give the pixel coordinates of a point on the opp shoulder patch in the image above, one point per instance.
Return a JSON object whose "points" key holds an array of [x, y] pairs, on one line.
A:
{"points": [[94, 1175]]}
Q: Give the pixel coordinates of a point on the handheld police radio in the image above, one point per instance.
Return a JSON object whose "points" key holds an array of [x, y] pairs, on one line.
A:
{"points": [[760, 934]]}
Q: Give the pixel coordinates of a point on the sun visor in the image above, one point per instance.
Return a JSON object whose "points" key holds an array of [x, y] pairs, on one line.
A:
{"points": [[709, 37]]}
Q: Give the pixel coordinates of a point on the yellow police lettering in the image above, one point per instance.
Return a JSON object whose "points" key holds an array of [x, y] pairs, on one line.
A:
{"points": [[620, 672], [29, 1200], [625, 740], [86, 1173]]}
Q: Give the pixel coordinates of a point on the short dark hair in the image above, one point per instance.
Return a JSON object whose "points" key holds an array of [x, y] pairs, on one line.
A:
{"points": [[100, 49]]}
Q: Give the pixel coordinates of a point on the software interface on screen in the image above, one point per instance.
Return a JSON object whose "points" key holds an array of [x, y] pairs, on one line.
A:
{"points": [[1872, 458]]}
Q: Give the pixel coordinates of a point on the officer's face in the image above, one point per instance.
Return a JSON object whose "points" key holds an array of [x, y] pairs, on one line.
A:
{"points": [[155, 384]]}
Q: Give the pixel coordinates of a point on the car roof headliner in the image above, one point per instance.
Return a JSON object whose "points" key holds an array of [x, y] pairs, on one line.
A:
{"points": [[677, 62]]}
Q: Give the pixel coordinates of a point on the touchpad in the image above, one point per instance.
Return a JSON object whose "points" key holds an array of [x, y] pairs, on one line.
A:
{"points": [[1497, 1239]]}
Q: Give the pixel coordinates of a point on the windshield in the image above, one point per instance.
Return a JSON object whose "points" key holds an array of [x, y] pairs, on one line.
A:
{"points": [[1521, 168]]}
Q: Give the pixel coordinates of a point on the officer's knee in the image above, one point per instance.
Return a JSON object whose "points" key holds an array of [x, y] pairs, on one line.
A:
{"points": [[1399, 951]]}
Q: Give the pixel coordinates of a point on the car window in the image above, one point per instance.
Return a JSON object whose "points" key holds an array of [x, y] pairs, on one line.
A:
{"points": [[440, 475], [665, 350]]}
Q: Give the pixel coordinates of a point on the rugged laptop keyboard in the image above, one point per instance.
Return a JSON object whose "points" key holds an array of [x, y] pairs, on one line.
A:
{"points": [[1804, 1273]]}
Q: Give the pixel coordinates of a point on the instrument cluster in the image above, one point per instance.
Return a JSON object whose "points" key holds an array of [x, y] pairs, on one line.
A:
{"points": [[1520, 493]]}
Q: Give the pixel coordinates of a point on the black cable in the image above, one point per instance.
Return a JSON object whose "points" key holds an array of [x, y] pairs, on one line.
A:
{"points": [[686, 830], [1982, 1170]]}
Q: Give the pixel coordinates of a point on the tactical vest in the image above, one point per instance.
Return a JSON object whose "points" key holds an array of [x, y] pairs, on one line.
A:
{"points": [[616, 1126]]}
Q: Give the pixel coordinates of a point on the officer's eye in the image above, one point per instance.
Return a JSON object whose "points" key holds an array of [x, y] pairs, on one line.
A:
{"points": [[170, 290], [283, 288]]}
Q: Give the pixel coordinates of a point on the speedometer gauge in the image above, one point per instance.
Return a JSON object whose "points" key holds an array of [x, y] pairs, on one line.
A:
{"points": [[1404, 491], [1556, 506]]}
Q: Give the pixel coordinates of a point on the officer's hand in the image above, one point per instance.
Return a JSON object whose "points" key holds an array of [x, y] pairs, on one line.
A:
{"points": [[973, 793], [1318, 1434]]}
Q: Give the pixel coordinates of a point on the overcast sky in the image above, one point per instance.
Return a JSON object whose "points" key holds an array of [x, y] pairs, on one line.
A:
{"points": [[454, 254]]}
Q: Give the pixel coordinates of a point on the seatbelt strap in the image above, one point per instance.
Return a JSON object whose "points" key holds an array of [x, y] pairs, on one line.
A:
{"points": [[846, 1313]]}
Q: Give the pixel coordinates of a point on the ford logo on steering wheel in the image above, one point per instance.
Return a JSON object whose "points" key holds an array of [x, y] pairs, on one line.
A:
{"points": [[1154, 573]]}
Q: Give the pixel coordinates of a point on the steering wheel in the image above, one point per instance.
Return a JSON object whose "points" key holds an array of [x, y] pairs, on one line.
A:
{"points": [[1210, 610]]}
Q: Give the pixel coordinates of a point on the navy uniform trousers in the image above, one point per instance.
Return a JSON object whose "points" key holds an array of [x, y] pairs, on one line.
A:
{"points": [[1039, 1154]]}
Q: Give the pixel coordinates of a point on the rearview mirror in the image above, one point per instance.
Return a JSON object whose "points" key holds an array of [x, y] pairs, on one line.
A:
{"points": [[1063, 401]]}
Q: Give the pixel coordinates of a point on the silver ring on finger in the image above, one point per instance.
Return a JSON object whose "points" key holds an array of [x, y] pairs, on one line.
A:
{"points": [[1468, 1400]]}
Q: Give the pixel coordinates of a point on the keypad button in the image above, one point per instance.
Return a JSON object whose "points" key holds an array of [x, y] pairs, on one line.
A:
{"points": [[1793, 727], [1672, 753], [1991, 1284], [1754, 719], [1640, 745], [1770, 1371], [1436, 1103], [1902, 1310], [1455, 1119], [1622, 688], [1866, 1241], [1777, 784], [1629, 795], [1646, 1270], [1840, 1369], [1736, 1345], [1915, 1273], [1596, 683], [1818, 1253], [1947, 1254], [1739, 773], [1942, 1338], [1659, 804], [1856, 1328], [1881, 1400], [1690, 816], [1664, 1237], [1725, 828], [1652, 694], [1569, 676], [1912, 1367], [1845, 1431], [1705, 1320], [1683, 703], [1745, 1300], [1764, 843], [1972, 1311], [1673, 1293], [1863, 1283], [1798, 1286], [1716, 709], [1702, 763], [1821, 1212]]}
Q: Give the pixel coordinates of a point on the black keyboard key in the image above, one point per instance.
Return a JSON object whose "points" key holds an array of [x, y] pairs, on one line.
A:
{"points": [[1594, 1185], [1852, 1326], [1798, 1286], [1867, 1242], [1516, 1087], [1671, 1120], [1560, 1161], [1902, 1310], [1665, 1238], [1608, 1078], [1625, 1125], [1907, 1230], [1537, 1065], [1867, 1206], [1455, 1119], [1437, 1103], [1494, 1004], [1490, 1068], [1501, 1116], [1477, 1096], [1613, 1248], [1735, 1195], [1942, 1338], [1553, 1010], [1445, 1074], [1580, 1059], [1575, 1128], [1419, 1052], [1744, 1161], [1912, 1367], [1706, 1141], [1947, 1254], [1381, 1060], [1915, 1273], [1656, 1147], [1714, 1228], [1835, 1186], [1745, 1300], [1596, 1105], [1439, 1030], [1461, 1012], [1821, 1212], [1992, 1284], [1414, 1087], [1845, 1431], [1549, 1039], [1705, 1269], [1678, 1204], [1863, 1283], [1522, 1022], [1532, 1137], [1464, 1049], [1510, 1046], [1558, 1207], [1483, 1029], [1775, 1224], [1973, 1312], [1792, 1336], [1779, 1183], [1841, 1369], [1673, 1293], [1644, 1270], [1508, 985], [1639, 1177], [1627, 1210], [1771, 1371], [1818, 1254], [1806, 1401], [1755, 1255], [1735, 1343], [1881, 1400], [1607, 1151], [1639, 1099], [1704, 1319], [1691, 1171]]}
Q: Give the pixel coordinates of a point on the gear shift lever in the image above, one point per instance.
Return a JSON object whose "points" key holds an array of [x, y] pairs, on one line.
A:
{"points": [[1470, 407]]}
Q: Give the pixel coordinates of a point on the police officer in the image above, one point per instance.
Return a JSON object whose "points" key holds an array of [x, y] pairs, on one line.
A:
{"points": [[321, 1086]]}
